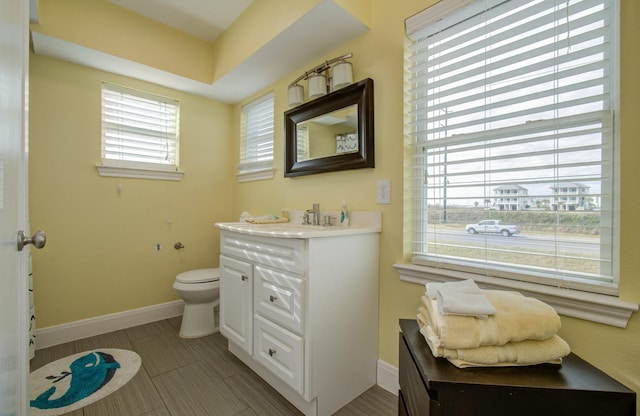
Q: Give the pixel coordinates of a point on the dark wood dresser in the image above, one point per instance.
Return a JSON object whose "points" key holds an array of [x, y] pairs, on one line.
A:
{"points": [[431, 386]]}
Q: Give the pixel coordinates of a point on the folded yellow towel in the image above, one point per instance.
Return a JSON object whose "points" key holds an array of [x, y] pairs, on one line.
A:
{"points": [[517, 318], [530, 352], [466, 364], [267, 219]]}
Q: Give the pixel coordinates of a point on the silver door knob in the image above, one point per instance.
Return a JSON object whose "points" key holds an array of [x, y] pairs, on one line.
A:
{"points": [[39, 239]]}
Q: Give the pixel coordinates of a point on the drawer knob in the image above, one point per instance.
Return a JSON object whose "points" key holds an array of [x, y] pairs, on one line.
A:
{"points": [[271, 352], [272, 298], [243, 277]]}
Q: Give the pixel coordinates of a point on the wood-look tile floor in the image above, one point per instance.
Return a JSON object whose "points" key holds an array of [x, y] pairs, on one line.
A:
{"points": [[193, 377]]}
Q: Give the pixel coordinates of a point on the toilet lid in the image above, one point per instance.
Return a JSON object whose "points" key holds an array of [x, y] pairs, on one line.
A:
{"points": [[199, 276]]}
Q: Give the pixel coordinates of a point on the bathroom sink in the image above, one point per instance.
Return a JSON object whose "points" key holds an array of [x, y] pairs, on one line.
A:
{"points": [[293, 230], [291, 227]]}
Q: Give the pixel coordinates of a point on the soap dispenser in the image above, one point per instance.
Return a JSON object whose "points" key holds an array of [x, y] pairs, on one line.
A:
{"points": [[344, 214]]}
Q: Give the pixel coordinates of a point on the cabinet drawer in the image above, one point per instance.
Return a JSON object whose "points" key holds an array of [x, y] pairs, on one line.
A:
{"points": [[286, 254], [278, 296], [280, 351]]}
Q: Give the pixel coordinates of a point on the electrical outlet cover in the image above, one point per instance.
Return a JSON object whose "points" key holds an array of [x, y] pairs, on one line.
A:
{"points": [[384, 191]]}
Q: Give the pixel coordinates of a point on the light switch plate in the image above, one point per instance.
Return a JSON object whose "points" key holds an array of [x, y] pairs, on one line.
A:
{"points": [[384, 191]]}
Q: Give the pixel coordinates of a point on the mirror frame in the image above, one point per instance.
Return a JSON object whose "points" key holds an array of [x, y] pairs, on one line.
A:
{"points": [[360, 94]]}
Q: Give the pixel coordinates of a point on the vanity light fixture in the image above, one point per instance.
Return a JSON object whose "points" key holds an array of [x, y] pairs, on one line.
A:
{"points": [[320, 82], [317, 85], [296, 95], [342, 74]]}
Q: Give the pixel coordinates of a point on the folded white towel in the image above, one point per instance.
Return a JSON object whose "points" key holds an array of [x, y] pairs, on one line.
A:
{"points": [[464, 286], [266, 219], [451, 302]]}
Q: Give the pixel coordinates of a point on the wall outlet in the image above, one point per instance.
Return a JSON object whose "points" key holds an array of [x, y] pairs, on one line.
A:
{"points": [[384, 191]]}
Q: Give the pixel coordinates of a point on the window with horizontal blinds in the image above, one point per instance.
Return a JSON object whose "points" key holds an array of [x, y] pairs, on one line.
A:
{"points": [[512, 119], [256, 135], [139, 130]]}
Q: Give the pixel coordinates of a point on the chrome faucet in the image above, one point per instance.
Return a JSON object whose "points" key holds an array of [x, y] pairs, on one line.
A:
{"points": [[316, 215]]}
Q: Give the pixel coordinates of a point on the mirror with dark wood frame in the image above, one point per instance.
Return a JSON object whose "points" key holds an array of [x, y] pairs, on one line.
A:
{"points": [[331, 133]]}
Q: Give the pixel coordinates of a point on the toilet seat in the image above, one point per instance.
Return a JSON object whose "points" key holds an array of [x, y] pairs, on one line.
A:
{"points": [[199, 276]]}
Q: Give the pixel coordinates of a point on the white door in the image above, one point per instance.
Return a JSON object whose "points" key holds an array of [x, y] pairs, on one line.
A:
{"points": [[13, 207]]}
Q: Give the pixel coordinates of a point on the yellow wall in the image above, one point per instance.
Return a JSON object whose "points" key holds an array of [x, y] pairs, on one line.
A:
{"points": [[76, 204], [100, 255], [378, 54]]}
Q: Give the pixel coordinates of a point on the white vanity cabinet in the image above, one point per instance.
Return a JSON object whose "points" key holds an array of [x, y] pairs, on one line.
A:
{"points": [[303, 313]]}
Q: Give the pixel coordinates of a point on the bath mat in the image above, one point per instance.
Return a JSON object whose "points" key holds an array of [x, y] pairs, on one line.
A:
{"points": [[78, 380]]}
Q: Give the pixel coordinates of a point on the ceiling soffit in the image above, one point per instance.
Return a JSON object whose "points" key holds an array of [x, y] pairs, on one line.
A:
{"points": [[295, 46]]}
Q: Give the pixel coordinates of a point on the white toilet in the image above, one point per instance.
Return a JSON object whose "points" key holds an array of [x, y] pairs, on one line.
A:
{"points": [[200, 291]]}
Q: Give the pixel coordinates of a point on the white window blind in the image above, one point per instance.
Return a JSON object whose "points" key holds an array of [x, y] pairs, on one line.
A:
{"points": [[256, 135], [302, 142], [512, 109], [139, 130]]}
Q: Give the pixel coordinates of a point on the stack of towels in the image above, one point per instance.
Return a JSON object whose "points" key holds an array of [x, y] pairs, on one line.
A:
{"points": [[472, 327]]}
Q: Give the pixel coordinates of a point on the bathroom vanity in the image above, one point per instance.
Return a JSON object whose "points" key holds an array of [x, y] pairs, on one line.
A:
{"points": [[299, 306]]}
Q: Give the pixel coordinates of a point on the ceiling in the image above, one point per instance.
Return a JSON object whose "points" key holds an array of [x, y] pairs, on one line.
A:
{"points": [[207, 19], [203, 19]]}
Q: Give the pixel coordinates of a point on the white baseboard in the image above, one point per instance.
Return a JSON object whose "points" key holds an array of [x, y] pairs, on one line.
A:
{"points": [[388, 377], [59, 334]]}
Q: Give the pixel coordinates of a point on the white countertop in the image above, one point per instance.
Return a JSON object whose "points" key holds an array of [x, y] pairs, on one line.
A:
{"points": [[361, 222]]}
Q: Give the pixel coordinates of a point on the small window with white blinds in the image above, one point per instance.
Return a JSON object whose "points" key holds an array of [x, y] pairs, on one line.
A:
{"points": [[140, 131], [256, 139], [512, 108]]}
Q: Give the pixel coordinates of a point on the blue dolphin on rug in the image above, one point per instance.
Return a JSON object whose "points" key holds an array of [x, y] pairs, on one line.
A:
{"points": [[88, 374]]}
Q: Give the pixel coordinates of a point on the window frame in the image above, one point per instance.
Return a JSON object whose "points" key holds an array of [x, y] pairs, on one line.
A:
{"points": [[256, 170], [602, 306], [110, 167]]}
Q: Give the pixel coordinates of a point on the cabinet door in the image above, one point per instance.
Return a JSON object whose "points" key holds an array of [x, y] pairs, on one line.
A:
{"points": [[236, 302]]}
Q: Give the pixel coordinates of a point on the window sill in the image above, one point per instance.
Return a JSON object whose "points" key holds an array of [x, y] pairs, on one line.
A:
{"points": [[125, 172], [256, 175], [604, 309]]}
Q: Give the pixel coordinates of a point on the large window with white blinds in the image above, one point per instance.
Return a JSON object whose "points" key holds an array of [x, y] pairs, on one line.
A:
{"points": [[512, 121], [256, 139], [139, 130]]}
